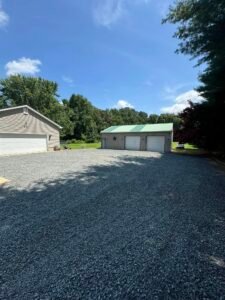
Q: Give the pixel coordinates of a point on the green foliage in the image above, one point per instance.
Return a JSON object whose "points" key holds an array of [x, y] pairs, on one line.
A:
{"points": [[170, 118], [201, 28], [85, 127], [74, 141], [81, 121], [153, 119], [38, 93], [62, 115]]}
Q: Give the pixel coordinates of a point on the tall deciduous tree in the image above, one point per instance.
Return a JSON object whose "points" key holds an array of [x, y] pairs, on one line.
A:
{"points": [[83, 118], [40, 94], [201, 31]]}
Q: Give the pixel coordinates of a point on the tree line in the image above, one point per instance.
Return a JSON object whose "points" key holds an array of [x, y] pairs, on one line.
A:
{"points": [[201, 31], [78, 117]]}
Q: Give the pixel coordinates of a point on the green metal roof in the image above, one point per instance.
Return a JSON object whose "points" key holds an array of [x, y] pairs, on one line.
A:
{"points": [[140, 128]]}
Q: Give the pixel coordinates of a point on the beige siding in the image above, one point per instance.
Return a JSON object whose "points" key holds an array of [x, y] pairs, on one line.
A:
{"points": [[15, 121], [108, 141]]}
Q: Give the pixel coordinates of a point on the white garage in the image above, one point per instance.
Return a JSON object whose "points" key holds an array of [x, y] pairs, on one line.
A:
{"points": [[132, 142], [156, 143], [22, 143]]}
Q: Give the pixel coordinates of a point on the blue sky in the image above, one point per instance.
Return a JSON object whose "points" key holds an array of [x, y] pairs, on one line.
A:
{"points": [[114, 52]]}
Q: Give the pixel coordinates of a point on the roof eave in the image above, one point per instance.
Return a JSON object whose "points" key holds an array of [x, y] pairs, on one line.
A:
{"points": [[138, 131]]}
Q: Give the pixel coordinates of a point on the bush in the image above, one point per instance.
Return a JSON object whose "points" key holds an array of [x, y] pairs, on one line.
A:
{"points": [[66, 142], [77, 141], [74, 141], [87, 140], [90, 140]]}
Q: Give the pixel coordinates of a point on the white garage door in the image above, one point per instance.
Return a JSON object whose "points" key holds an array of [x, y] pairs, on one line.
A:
{"points": [[22, 143], [132, 142], [156, 143]]}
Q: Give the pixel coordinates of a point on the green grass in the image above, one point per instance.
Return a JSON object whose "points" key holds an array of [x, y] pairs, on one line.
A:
{"points": [[83, 146], [186, 146], [189, 149]]}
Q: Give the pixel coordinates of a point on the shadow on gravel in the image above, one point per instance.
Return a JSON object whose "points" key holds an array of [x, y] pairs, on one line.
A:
{"points": [[138, 228]]}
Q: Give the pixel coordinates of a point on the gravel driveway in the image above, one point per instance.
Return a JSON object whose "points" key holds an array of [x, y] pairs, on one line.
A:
{"points": [[102, 224]]}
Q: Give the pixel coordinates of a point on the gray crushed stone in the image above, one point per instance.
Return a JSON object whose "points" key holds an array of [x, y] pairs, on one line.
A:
{"points": [[104, 224]]}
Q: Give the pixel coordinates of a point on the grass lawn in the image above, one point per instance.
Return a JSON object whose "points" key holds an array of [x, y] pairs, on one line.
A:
{"points": [[83, 146], [188, 149], [186, 146]]}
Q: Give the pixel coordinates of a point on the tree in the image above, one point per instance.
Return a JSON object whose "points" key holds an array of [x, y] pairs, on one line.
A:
{"points": [[83, 118], [40, 94], [153, 119], [143, 117], [201, 27], [129, 116], [170, 118], [62, 115], [78, 117]]}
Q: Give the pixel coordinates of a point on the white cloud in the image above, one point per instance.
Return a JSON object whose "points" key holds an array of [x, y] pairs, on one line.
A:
{"points": [[170, 92], [4, 17], [68, 80], [182, 101], [123, 104], [108, 12], [23, 66]]}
